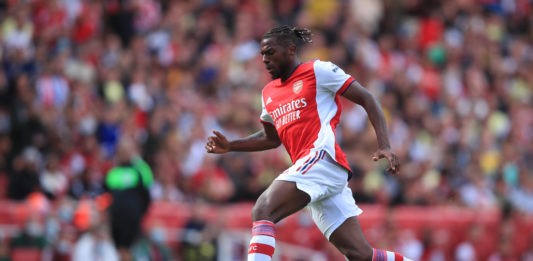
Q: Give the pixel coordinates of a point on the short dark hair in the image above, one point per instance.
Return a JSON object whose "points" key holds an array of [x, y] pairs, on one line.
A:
{"points": [[288, 35]]}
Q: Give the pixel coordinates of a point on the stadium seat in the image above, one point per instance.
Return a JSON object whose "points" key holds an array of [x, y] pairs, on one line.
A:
{"points": [[26, 254], [12, 213]]}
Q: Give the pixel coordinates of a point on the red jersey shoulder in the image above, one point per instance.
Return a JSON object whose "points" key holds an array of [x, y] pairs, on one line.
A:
{"points": [[308, 65], [272, 83]]}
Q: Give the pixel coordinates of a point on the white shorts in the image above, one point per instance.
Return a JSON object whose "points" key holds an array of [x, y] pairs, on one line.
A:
{"points": [[325, 181]]}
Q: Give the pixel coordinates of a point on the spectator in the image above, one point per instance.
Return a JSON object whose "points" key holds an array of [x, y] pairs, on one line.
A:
{"points": [[63, 247], [128, 182], [409, 245], [95, 244], [199, 236], [17, 30], [32, 235], [521, 196], [53, 181], [153, 245], [466, 250], [165, 188], [437, 245], [212, 182], [87, 184], [24, 178], [478, 193]]}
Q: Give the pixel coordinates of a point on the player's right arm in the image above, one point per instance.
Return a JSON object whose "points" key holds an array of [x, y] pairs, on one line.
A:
{"points": [[262, 140]]}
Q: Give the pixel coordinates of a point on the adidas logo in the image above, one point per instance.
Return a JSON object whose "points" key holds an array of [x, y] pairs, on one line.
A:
{"points": [[269, 100]]}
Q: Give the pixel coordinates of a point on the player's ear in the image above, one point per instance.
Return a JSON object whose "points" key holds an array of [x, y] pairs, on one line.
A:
{"points": [[291, 49]]}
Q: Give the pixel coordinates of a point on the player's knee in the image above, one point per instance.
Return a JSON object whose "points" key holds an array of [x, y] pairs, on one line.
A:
{"points": [[261, 210]]}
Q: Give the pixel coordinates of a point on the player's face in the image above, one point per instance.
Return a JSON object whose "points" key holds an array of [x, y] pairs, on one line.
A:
{"points": [[275, 57]]}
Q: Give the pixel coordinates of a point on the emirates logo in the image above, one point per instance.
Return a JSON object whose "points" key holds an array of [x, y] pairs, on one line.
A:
{"points": [[297, 86]]}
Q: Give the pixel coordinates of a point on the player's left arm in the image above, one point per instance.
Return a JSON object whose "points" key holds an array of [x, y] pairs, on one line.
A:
{"points": [[360, 95]]}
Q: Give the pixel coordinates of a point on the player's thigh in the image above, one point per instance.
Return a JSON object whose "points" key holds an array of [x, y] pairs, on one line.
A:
{"points": [[332, 212], [349, 239], [281, 199]]}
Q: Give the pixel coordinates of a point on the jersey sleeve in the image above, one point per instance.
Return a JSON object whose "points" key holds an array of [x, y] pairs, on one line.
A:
{"points": [[331, 77], [145, 170], [265, 117]]}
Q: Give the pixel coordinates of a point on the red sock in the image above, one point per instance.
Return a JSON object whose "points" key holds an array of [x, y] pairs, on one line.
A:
{"points": [[263, 242], [382, 255]]}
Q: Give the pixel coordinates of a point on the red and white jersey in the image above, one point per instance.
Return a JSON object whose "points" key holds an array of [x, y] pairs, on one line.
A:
{"points": [[305, 109]]}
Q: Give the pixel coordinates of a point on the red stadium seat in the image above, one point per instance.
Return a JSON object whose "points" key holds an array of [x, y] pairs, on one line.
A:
{"points": [[172, 215], [26, 254], [373, 216], [237, 216], [12, 213]]}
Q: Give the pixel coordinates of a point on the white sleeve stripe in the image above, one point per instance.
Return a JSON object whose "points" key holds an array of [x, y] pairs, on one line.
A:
{"points": [[263, 240]]}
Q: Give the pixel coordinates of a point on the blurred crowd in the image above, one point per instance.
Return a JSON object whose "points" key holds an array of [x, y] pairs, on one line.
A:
{"points": [[454, 78]]}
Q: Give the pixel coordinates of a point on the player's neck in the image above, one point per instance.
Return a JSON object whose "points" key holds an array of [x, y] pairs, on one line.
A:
{"points": [[293, 67]]}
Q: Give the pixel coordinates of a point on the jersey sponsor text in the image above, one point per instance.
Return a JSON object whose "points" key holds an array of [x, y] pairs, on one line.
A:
{"points": [[288, 112]]}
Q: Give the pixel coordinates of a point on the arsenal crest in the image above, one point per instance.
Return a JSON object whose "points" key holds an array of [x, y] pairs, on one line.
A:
{"points": [[297, 86]]}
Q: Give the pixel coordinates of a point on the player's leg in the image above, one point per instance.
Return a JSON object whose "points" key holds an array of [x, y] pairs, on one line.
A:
{"points": [[340, 225], [349, 239], [336, 217], [281, 199]]}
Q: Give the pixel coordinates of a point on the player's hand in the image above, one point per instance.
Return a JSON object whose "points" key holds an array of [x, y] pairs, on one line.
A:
{"points": [[391, 157], [217, 144]]}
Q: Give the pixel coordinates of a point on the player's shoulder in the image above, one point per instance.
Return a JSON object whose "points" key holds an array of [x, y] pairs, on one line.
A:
{"points": [[325, 66], [271, 83], [269, 87]]}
